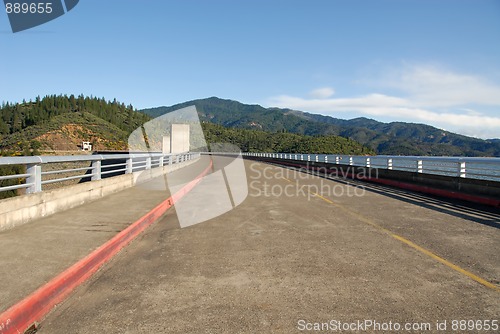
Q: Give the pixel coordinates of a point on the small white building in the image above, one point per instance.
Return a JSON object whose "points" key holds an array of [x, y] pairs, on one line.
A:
{"points": [[86, 146]]}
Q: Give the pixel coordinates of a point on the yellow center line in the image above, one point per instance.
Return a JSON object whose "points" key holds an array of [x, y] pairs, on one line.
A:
{"points": [[447, 263], [412, 244], [323, 198]]}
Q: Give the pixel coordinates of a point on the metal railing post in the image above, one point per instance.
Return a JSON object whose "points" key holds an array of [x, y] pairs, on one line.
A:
{"points": [[160, 162], [96, 170], [420, 166], [35, 178], [129, 166], [368, 162], [148, 162], [389, 163], [326, 158], [351, 161], [337, 160], [461, 169]]}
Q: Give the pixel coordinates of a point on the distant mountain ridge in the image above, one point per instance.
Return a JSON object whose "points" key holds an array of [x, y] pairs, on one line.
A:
{"points": [[395, 138], [62, 122]]}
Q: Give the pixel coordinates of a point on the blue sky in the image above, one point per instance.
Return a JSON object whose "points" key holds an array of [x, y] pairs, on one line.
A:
{"points": [[433, 62]]}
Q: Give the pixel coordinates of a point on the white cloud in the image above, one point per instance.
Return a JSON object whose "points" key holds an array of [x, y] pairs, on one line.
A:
{"points": [[472, 112], [322, 93], [436, 87], [430, 95]]}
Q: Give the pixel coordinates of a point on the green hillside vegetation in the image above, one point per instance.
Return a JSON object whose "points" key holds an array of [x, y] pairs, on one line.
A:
{"points": [[67, 130], [261, 141], [109, 121], [396, 138]]}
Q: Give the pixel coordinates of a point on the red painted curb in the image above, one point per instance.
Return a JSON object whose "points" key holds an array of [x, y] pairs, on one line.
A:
{"points": [[33, 308], [418, 188]]}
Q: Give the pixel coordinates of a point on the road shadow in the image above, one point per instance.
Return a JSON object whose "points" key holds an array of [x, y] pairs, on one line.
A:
{"points": [[481, 214]]}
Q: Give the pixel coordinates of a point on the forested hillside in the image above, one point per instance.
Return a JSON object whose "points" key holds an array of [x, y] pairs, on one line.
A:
{"points": [[61, 122], [261, 141]]}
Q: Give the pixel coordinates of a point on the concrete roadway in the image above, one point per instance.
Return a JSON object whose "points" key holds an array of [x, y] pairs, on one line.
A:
{"points": [[34, 253], [278, 259]]}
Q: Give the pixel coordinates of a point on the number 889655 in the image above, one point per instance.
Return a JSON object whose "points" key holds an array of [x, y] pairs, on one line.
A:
{"points": [[31, 8]]}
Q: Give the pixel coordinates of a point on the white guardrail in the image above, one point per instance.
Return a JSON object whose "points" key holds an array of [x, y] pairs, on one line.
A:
{"points": [[98, 166], [474, 168]]}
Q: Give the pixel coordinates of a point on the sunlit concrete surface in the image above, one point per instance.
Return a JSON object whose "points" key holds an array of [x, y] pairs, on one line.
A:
{"points": [[34, 253]]}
